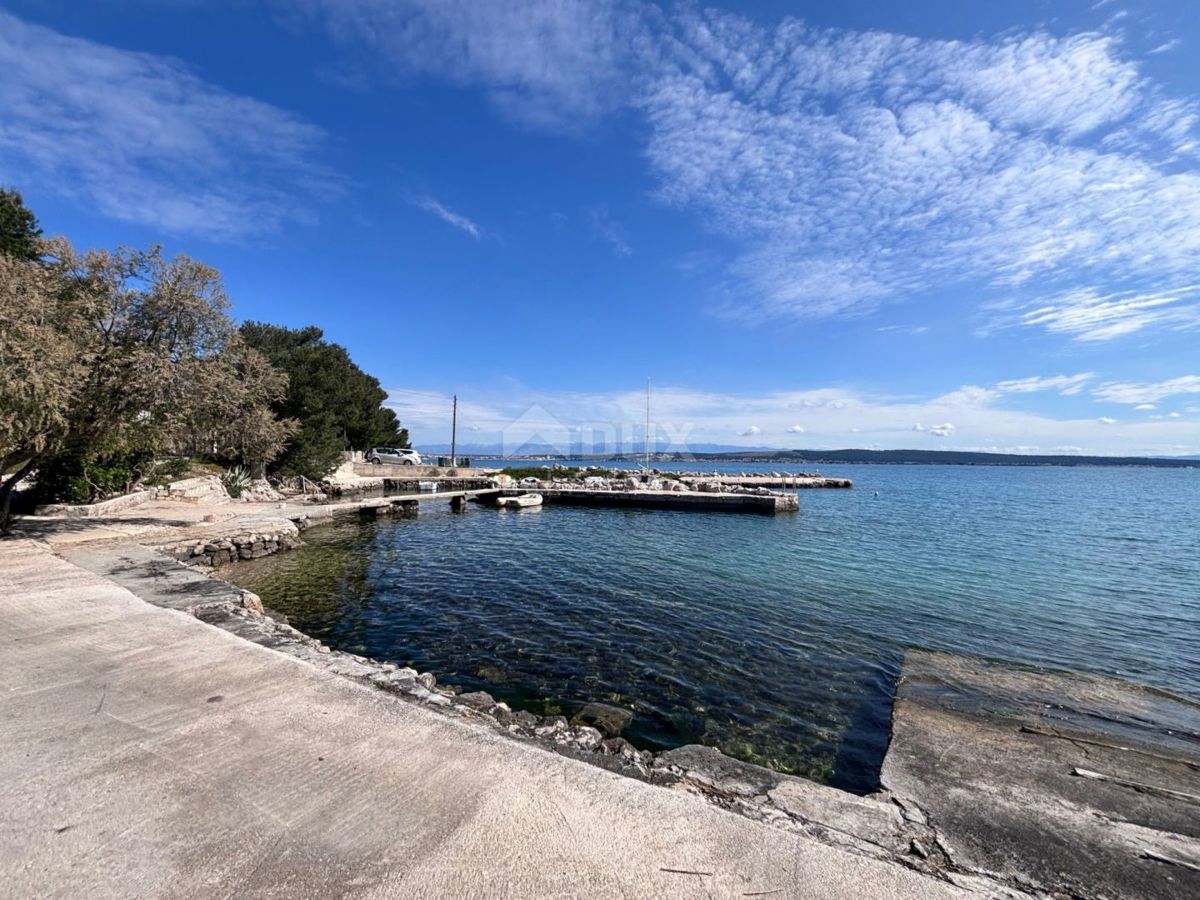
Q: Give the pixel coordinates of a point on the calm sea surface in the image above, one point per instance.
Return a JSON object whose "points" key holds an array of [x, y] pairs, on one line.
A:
{"points": [[777, 639]]}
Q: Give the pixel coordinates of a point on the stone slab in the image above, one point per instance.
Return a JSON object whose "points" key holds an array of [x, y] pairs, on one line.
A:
{"points": [[992, 754]]}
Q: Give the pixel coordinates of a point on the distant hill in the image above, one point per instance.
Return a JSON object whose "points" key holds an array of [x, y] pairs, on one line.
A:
{"points": [[945, 457]]}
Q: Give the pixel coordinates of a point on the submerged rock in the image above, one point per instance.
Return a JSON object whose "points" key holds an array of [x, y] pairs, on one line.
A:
{"points": [[611, 720], [494, 674], [480, 700]]}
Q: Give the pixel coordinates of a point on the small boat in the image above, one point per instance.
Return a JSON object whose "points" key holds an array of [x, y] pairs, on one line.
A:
{"points": [[520, 501]]}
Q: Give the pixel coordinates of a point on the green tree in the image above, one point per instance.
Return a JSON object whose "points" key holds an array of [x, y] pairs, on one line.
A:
{"points": [[338, 406], [20, 235], [109, 358]]}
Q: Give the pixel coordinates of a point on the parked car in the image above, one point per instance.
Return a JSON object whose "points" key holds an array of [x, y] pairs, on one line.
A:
{"points": [[397, 456], [529, 479]]}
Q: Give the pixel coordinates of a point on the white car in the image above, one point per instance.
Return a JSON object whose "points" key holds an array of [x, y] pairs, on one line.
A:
{"points": [[529, 479], [397, 456]]}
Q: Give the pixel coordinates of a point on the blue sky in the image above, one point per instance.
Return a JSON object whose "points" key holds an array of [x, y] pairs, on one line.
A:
{"points": [[941, 225]]}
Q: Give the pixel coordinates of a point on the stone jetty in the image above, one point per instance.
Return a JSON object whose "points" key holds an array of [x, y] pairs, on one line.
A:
{"points": [[656, 491], [746, 500]]}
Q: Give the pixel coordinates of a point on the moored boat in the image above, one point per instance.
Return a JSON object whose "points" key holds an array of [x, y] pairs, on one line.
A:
{"points": [[521, 501]]}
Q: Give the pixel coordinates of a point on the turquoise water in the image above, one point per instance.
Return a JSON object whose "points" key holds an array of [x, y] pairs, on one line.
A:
{"points": [[777, 639]]}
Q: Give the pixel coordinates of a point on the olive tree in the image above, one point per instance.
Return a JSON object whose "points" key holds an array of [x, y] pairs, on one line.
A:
{"points": [[126, 351]]}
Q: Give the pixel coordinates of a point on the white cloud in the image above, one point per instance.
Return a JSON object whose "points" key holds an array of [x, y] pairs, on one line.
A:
{"points": [[545, 62], [1066, 385], [752, 430], [143, 139], [683, 417], [1174, 415], [918, 427], [1167, 46], [459, 221], [1087, 315], [1144, 406], [796, 429], [856, 167], [853, 168], [1124, 392], [1107, 420]]}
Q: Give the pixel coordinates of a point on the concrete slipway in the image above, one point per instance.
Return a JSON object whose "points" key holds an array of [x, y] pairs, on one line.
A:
{"points": [[147, 754]]}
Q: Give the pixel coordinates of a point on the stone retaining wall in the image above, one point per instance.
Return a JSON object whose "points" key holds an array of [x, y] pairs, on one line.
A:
{"points": [[95, 510], [202, 489], [215, 551]]}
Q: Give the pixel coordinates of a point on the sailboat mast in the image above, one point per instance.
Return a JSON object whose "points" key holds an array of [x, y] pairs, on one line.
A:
{"points": [[646, 436]]}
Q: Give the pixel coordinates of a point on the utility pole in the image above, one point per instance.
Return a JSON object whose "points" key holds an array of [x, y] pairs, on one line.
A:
{"points": [[454, 433]]}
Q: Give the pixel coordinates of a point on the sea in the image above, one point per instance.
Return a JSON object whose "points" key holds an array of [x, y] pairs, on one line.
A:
{"points": [[778, 639]]}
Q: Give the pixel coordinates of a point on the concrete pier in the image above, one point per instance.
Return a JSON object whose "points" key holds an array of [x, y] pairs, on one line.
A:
{"points": [[766, 504]]}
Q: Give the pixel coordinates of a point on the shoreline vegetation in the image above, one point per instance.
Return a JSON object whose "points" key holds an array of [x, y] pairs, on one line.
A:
{"points": [[125, 369]]}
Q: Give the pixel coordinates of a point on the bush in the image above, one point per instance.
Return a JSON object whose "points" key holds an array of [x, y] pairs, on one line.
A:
{"points": [[164, 471], [70, 477]]}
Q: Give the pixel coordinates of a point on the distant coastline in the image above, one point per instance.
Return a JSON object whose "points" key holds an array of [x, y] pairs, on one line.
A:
{"points": [[870, 457]]}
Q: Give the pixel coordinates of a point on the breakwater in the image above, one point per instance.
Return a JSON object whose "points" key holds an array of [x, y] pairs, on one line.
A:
{"points": [[769, 480]]}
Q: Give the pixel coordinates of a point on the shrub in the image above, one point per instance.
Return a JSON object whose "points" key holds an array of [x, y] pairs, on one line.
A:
{"points": [[164, 471], [71, 477], [237, 480]]}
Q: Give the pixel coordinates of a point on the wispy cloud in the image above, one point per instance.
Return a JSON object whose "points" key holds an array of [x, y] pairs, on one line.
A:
{"points": [[851, 168], [1066, 385], [610, 231], [1146, 394], [544, 62], [1167, 46], [946, 429], [447, 215], [859, 167], [143, 139], [1087, 315]]}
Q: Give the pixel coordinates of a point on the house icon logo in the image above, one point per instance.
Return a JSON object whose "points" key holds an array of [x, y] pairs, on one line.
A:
{"points": [[538, 432]]}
